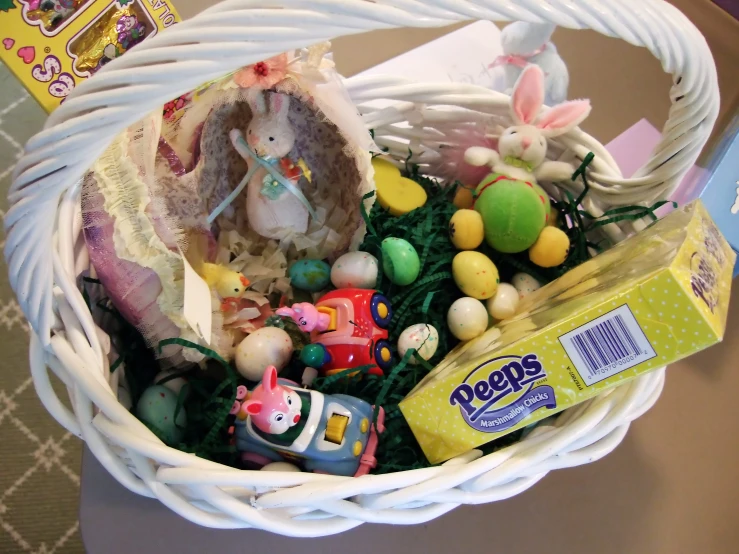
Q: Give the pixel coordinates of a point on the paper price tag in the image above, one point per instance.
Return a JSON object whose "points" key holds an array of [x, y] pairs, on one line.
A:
{"points": [[197, 306]]}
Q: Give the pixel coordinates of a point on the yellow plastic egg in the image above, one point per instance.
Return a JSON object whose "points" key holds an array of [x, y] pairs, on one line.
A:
{"points": [[384, 169], [400, 195], [463, 198], [396, 194], [475, 274], [551, 248], [466, 230]]}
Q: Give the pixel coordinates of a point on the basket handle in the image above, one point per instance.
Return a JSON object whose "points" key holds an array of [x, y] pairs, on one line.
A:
{"points": [[235, 33]]}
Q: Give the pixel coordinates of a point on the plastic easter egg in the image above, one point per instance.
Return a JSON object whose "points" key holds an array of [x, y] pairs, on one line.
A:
{"points": [[384, 170], [400, 195], [400, 261], [505, 302], [421, 336], [310, 275], [175, 384], [356, 270], [466, 229], [463, 198], [281, 466], [551, 248], [525, 284], [264, 347], [467, 318], [156, 408], [514, 214], [475, 274]]}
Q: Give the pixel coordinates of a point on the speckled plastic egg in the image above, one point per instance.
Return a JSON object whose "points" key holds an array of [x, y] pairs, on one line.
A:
{"points": [[400, 261], [421, 336], [156, 408], [467, 318], [264, 347], [466, 229], [525, 284], [310, 275], [281, 466], [505, 302], [355, 270], [475, 274]]}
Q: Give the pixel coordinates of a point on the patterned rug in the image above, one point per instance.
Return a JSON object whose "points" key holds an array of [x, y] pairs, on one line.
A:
{"points": [[39, 460]]}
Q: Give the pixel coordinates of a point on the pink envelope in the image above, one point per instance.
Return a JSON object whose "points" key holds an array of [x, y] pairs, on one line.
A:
{"points": [[631, 150]]}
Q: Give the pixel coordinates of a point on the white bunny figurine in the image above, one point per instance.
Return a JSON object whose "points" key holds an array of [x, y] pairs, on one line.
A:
{"points": [[270, 207], [523, 147], [529, 43]]}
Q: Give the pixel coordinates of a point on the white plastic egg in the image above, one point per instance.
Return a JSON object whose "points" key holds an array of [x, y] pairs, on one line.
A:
{"points": [[281, 466], [525, 284], [505, 302], [467, 318], [421, 336], [264, 347], [355, 270]]}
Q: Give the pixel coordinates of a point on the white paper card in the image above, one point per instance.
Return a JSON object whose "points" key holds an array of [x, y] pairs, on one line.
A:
{"points": [[463, 56], [197, 306]]}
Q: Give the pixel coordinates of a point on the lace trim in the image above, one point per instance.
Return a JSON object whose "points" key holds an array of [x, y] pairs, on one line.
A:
{"points": [[127, 200]]}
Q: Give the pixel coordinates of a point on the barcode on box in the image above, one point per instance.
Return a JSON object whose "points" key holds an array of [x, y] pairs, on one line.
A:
{"points": [[607, 345]]}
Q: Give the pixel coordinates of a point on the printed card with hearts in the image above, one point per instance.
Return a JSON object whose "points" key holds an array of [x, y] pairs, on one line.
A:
{"points": [[53, 45]]}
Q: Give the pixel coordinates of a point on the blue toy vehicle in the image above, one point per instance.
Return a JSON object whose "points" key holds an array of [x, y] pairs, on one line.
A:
{"points": [[320, 432]]}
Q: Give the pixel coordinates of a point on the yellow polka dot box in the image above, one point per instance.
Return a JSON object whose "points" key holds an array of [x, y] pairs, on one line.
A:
{"points": [[653, 299]]}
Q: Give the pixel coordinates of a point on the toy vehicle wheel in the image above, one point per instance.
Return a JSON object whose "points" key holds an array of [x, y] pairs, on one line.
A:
{"points": [[383, 355], [381, 310]]}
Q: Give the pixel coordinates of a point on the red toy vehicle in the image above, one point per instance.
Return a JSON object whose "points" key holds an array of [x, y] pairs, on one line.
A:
{"points": [[356, 333]]}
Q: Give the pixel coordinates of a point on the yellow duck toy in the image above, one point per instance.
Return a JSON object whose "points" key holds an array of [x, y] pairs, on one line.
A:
{"points": [[226, 282], [230, 285]]}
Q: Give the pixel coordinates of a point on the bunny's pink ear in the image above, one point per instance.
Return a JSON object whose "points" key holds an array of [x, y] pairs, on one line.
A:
{"points": [[252, 407], [255, 99], [528, 95], [563, 117], [279, 104], [285, 311], [269, 381]]}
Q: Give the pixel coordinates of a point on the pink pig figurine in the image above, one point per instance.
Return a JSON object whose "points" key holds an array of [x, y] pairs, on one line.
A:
{"points": [[307, 316], [273, 408]]}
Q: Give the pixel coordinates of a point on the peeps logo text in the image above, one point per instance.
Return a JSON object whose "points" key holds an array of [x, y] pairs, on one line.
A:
{"points": [[703, 281], [500, 393]]}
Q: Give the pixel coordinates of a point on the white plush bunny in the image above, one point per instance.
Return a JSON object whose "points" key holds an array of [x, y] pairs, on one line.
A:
{"points": [[522, 148], [529, 43], [272, 210]]}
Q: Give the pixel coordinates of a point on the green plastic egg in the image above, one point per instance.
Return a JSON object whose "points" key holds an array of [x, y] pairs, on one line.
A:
{"points": [[310, 275], [514, 213], [400, 261], [156, 409]]}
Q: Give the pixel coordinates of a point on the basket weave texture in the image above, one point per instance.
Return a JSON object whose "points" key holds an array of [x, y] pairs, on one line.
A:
{"points": [[45, 252]]}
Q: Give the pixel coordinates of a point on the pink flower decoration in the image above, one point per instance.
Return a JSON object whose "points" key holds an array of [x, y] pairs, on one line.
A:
{"points": [[264, 74]]}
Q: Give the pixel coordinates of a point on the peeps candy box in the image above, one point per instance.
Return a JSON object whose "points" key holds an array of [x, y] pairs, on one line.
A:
{"points": [[53, 45], [649, 301]]}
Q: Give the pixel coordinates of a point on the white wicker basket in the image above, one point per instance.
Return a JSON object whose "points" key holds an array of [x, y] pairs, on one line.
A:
{"points": [[45, 253]]}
